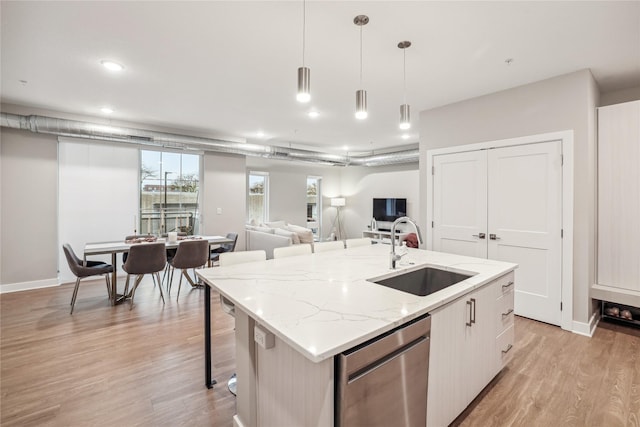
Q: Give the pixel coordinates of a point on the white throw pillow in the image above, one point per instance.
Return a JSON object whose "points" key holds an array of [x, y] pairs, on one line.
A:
{"points": [[264, 229], [290, 234], [305, 235], [276, 224]]}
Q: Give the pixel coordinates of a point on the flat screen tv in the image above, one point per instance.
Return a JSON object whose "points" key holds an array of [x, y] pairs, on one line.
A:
{"points": [[389, 209]]}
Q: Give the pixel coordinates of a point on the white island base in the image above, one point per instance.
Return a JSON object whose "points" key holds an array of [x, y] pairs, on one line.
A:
{"points": [[320, 305]]}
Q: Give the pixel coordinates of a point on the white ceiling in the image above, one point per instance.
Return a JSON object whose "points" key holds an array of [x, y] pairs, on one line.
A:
{"points": [[229, 68]]}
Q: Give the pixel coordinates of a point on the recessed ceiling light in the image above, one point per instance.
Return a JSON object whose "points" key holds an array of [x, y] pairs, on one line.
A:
{"points": [[106, 110], [345, 148], [112, 66], [260, 134], [405, 136], [313, 114]]}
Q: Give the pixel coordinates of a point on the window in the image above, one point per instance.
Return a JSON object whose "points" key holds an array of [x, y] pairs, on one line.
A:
{"points": [[257, 197], [169, 192], [314, 205]]}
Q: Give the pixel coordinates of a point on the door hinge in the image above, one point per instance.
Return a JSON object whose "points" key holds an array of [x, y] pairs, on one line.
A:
{"points": [[561, 159], [560, 305], [431, 224], [433, 170], [562, 233]]}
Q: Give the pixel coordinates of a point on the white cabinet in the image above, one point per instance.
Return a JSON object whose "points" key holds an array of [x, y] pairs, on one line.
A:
{"points": [[619, 204], [471, 340]]}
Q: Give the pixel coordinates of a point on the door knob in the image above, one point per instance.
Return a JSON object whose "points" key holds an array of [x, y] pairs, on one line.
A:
{"points": [[493, 237], [479, 235]]}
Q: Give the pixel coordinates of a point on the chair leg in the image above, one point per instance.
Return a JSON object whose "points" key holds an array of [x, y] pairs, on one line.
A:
{"points": [[135, 286], [106, 277], [160, 287], [170, 284], [179, 284], [126, 286], [75, 294]]}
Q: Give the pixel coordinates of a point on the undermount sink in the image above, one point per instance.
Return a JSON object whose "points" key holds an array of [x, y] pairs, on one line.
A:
{"points": [[423, 281]]}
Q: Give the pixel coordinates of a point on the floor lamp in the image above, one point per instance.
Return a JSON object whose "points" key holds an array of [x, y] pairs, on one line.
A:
{"points": [[338, 202]]}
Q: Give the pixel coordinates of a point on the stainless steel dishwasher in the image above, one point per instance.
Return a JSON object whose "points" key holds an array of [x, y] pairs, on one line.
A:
{"points": [[383, 382]]}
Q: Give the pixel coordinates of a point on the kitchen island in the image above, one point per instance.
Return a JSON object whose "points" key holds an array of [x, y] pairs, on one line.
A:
{"points": [[319, 305]]}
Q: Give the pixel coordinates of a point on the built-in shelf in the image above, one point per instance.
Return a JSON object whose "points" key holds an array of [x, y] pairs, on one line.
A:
{"points": [[608, 307], [380, 236]]}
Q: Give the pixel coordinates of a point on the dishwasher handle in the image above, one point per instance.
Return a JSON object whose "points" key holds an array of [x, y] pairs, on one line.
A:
{"points": [[355, 376]]}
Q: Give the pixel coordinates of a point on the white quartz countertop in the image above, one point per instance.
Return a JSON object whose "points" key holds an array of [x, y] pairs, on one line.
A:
{"points": [[322, 304]]}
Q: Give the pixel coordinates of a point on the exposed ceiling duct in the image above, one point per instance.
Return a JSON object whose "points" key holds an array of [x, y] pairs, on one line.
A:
{"points": [[86, 130]]}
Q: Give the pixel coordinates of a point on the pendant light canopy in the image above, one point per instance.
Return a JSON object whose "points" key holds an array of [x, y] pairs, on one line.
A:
{"points": [[405, 110], [304, 73], [361, 94]]}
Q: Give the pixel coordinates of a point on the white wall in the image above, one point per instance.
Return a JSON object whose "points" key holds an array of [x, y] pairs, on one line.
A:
{"points": [[561, 103], [29, 204], [620, 96], [224, 188], [360, 185]]}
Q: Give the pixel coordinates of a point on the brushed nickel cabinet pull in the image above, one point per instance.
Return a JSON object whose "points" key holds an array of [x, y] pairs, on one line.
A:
{"points": [[469, 323], [507, 285], [473, 320], [507, 313]]}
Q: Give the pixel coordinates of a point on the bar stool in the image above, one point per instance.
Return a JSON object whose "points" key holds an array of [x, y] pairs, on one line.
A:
{"points": [[293, 250], [327, 246], [232, 258]]}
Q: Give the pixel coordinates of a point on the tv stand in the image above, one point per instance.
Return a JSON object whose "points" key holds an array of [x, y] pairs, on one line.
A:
{"points": [[383, 236]]}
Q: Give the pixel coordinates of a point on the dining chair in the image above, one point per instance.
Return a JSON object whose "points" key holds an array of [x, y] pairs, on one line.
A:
{"points": [[171, 252], [145, 258], [293, 250], [83, 269], [328, 246], [363, 241], [232, 258], [225, 247], [190, 254]]}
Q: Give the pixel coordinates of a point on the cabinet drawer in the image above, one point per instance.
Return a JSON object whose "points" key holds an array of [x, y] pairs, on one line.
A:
{"points": [[505, 311], [504, 346], [505, 284]]}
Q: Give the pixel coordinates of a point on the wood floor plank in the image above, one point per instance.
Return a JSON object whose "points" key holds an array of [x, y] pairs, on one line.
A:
{"points": [[106, 366]]}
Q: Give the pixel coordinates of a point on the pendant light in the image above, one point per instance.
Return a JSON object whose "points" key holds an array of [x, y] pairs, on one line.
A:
{"points": [[304, 73], [361, 94], [405, 110]]}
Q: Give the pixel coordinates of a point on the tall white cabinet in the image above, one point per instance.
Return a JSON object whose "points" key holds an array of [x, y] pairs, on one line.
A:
{"points": [[618, 277]]}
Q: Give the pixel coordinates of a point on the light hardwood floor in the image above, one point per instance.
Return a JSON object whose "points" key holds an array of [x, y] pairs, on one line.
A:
{"points": [[107, 366]]}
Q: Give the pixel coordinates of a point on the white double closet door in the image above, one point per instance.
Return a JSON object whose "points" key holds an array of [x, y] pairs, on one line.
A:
{"points": [[506, 204]]}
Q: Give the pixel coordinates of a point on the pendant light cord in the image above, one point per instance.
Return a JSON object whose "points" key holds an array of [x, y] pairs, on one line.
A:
{"points": [[360, 55], [404, 72], [304, 25]]}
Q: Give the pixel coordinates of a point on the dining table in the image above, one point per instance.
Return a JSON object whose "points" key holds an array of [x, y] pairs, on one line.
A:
{"points": [[122, 246]]}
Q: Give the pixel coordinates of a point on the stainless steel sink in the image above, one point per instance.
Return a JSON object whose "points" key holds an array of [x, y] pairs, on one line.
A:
{"points": [[423, 281]]}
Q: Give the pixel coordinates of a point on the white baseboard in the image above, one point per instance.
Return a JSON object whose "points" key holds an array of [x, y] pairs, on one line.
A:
{"points": [[25, 286], [586, 329]]}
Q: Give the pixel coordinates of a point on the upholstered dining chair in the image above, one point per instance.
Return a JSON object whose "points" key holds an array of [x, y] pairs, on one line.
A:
{"points": [[225, 247], [293, 250], [145, 258], [81, 270], [231, 258], [190, 254], [328, 246], [363, 241]]}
